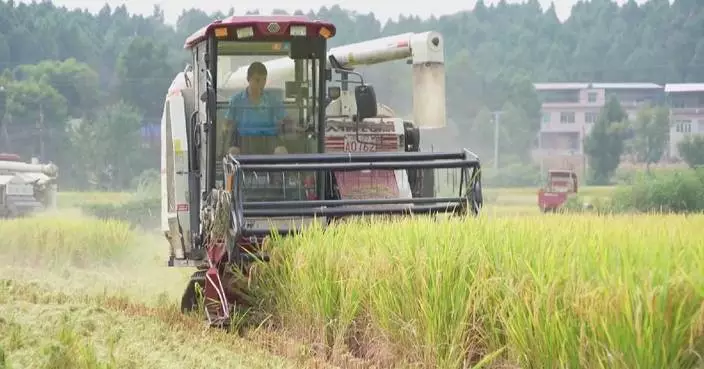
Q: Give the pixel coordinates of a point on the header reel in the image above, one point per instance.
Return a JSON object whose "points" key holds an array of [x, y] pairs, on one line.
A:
{"points": [[468, 200]]}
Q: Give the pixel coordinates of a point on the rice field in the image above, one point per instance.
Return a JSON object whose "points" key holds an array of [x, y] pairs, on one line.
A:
{"points": [[519, 290], [73, 199], [498, 201]]}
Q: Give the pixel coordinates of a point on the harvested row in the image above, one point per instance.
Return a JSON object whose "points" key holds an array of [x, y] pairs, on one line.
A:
{"points": [[528, 292]]}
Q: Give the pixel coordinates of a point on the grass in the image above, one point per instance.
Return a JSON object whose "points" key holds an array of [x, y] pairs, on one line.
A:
{"points": [[498, 201], [64, 241], [72, 199], [528, 292], [508, 291]]}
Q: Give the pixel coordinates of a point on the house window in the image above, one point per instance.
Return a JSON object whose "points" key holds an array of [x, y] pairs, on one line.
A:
{"points": [[591, 97], [678, 104], [567, 117], [683, 126], [591, 117]]}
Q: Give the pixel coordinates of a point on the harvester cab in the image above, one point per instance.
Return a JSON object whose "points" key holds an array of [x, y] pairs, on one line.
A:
{"points": [[254, 143], [562, 181], [561, 184]]}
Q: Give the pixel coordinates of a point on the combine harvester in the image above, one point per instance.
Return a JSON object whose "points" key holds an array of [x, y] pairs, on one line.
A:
{"points": [[561, 185], [341, 155], [26, 188]]}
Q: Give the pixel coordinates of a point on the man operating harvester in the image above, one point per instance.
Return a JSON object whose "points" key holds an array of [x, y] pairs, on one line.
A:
{"points": [[256, 119]]}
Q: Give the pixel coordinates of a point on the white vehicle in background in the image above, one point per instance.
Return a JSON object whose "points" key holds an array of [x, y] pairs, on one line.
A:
{"points": [[26, 188]]}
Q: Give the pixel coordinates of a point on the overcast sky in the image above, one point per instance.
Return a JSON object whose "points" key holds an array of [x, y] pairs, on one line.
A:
{"points": [[382, 9]]}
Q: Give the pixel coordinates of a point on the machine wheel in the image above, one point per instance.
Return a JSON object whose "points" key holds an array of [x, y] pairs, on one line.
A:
{"points": [[189, 300]]}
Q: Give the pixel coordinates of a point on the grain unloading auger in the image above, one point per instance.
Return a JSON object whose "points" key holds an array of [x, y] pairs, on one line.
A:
{"points": [[240, 161]]}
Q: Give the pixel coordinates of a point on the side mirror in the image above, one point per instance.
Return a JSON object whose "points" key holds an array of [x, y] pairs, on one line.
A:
{"points": [[365, 97]]}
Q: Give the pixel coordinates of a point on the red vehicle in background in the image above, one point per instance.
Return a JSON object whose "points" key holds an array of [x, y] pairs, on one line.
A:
{"points": [[561, 184]]}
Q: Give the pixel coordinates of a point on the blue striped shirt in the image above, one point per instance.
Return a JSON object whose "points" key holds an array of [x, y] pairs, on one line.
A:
{"points": [[256, 120]]}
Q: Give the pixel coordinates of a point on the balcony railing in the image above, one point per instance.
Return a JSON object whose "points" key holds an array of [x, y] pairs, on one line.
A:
{"points": [[538, 153], [562, 127], [570, 105], [688, 111]]}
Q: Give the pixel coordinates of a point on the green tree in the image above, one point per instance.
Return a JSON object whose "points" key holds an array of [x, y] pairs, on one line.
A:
{"points": [[604, 145], [37, 115], [518, 133], [651, 129], [144, 75], [110, 147], [77, 82], [480, 134], [493, 55], [691, 150]]}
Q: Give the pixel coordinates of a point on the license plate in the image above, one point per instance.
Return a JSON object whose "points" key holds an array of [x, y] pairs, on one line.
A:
{"points": [[367, 144]]}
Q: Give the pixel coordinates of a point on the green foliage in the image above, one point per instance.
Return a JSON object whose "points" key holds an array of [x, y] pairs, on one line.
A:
{"points": [[143, 207], [27, 99], [517, 129], [623, 176], [110, 147], [651, 129], [574, 203], [35, 118], [605, 143], [143, 213], [147, 184], [691, 149], [79, 64], [673, 192], [143, 74], [75, 81], [513, 175]]}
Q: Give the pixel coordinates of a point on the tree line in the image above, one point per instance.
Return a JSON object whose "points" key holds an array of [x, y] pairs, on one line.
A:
{"points": [[643, 138], [80, 87]]}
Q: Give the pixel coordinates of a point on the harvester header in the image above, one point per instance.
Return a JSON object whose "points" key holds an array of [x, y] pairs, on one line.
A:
{"points": [[236, 166]]}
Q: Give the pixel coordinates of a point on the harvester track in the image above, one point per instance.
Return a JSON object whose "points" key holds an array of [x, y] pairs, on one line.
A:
{"points": [[189, 300]]}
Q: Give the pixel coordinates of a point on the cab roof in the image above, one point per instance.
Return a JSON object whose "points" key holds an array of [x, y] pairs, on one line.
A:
{"points": [[284, 22], [567, 172]]}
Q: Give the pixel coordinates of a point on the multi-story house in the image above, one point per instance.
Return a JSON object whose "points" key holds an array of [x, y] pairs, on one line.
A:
{"points": [[570, 111], [686, 101]]}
